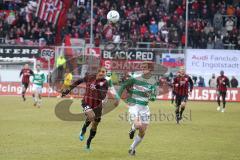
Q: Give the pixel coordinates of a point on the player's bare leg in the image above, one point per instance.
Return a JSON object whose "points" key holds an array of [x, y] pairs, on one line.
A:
{"points": [[177, 113], [39, 100], [182, 108], [23, 92], [92, 134], [84, 129], [132, 131], [173, 98], [219, 103], [142, 128], [35, 98], [135, 126], [224, 102]]}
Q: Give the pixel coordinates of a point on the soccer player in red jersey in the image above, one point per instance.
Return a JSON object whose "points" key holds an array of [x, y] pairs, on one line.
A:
{"points": [[182, 83], [96, 91], [222, 84], [173, 89], [25, 73]]}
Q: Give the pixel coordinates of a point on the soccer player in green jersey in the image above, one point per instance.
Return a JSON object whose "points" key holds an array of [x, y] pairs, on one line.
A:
{"points": [[38, 80], [141, 90]]}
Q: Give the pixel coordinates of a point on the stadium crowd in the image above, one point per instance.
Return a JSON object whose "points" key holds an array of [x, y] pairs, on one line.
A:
{"points": [[212, 23]]}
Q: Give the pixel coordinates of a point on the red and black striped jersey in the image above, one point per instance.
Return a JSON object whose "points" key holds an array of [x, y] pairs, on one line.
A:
{"points": [[182, 84], [96, 90], [222, 83], [26, 73]]}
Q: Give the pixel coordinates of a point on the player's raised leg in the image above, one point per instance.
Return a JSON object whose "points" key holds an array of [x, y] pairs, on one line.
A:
{"points": [[84, 129], [141, 118], [92, 133]]}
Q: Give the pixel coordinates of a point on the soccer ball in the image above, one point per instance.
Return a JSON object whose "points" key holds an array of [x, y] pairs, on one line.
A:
{"points": [[113, 16]]}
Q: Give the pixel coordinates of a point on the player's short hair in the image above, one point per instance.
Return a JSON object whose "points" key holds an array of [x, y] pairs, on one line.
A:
{"points": [[182, 68], [148, 64]]}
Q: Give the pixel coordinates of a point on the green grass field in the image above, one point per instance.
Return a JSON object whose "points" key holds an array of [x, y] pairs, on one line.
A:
{"points": [[28, 133]]}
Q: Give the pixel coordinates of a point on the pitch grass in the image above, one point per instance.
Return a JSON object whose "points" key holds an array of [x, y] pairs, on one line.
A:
{"points": [[28, 133]]}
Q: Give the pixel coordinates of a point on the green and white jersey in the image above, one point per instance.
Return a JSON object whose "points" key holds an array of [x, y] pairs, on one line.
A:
{"points": [[38, 78], [140, 89]]}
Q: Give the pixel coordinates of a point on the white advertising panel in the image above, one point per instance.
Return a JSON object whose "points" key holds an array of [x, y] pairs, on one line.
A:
{"points": [[208, 61]]}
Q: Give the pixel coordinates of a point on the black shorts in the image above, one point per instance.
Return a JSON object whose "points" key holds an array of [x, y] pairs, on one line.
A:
{"points": [[180, 99], [222, 93], [25, 85], [173, 93], [97, 111]]}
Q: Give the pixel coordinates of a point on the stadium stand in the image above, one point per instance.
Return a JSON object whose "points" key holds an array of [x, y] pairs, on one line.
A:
{"points": [[212, 23]]}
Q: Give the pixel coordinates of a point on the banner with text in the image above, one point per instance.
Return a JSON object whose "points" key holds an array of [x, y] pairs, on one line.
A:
{"points": [[198, 94], [208, 61], [130, 60], [130, 55], [42, 54]]}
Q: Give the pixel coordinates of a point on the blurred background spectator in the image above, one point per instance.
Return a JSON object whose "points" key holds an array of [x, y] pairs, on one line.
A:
{"points": [[234, 82], [213, 81], [201, 82]]}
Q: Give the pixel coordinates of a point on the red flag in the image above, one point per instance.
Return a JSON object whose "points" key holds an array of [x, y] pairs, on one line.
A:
{"points": [[49, 10]]}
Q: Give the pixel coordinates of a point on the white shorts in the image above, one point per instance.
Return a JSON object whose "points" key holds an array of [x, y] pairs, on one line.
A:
{"points": [[138, 111], [37, 88]]}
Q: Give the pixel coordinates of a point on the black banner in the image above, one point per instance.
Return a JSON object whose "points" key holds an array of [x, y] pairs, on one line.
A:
{"points": [[134, 55], [19, 51]]}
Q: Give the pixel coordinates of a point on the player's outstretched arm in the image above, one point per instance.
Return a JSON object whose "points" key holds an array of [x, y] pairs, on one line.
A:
{"points": [[72, 86], [127, 83]]}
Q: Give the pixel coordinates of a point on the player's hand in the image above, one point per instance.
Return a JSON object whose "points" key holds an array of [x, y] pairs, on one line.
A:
{"points": [[65, 92], [89, 113]]}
